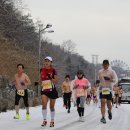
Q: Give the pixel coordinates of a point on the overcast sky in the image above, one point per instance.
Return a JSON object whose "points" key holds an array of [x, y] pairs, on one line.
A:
{"points": [[100, 27]]}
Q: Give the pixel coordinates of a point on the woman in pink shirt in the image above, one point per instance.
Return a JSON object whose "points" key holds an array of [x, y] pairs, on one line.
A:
{"points": [[80, 86]]}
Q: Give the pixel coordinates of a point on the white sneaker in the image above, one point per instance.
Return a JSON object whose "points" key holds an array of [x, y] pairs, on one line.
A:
{"points": [[82, 119]]}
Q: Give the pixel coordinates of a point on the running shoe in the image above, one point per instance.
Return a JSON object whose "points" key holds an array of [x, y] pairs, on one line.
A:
{"points": [[109, 115], [103, 120], [16, 116]]}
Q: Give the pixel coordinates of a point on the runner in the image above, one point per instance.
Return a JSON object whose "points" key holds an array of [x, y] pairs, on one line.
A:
{"points": [[98, 94], [21, 82], [66, 90], [116, 90], [88, 98], [48, 91], [94, 94], [120, 92], [113, 98], [73, 91], [107, 77], [80, 93]]}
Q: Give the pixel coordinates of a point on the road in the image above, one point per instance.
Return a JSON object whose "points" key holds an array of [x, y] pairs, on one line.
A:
{"points": [[65, 121]]}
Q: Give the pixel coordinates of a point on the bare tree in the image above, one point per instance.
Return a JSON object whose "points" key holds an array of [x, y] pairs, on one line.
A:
{"points": [[69, 46]]}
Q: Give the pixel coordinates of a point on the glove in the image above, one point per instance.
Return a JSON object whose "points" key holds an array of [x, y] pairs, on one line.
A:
{"points": [[85, 87], [76, 86], [106, 78], [22, 83]]}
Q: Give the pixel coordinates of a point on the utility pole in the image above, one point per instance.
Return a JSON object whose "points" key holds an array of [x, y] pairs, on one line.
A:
{"points": [[41, 31], [95, 62]]}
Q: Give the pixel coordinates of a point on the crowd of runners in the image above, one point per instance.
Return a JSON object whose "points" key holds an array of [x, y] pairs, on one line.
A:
{"points": [[105, 92]]}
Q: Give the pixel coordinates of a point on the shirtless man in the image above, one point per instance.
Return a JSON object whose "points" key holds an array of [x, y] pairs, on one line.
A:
{"points": [[88, 98], [116, 90], [21, 83], [94, 94], [66, 90], [120, 92]]}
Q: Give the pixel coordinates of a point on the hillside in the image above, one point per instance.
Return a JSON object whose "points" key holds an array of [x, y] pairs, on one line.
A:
{"points": [[10, 56]]}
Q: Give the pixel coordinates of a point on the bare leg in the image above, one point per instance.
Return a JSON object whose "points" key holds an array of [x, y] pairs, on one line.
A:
{"points": [[44, 106], [109, 105], [52, 109], [17, 108], [103, 107], [27, 110]]}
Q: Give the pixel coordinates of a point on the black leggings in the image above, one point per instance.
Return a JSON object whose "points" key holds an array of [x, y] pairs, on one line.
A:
{"points": [[25, 98], [80, 109], [67, 98]]}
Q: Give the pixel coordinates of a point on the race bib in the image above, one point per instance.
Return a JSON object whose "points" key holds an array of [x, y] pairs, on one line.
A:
{"points": [[21, 92], [46, 85], [80, 92], [105, 91]]}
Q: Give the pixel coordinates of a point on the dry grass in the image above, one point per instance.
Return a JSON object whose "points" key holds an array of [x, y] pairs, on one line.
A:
{"points": [[10, 56]]}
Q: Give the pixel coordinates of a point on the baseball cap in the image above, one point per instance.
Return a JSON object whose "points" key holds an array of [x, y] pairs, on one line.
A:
{"points": [[105, 62], [48, 58]]}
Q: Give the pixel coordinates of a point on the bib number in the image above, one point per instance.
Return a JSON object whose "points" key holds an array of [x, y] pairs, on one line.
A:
{"points": [[46, 85], [80, 92], [105, 91], [21, 92]]}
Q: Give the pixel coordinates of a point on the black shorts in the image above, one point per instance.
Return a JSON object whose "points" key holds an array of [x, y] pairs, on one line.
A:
{"points": [[25, 98], [108, 96], [119, 101], [88, 96], [51, 94], [116, 95]]}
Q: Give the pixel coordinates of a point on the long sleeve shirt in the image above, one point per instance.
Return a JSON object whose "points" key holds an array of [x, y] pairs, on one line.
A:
{"points": [[80, 91], [107, 83]]}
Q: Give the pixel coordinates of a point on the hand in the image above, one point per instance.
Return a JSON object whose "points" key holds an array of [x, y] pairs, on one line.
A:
{"points": [[85, 87], [36, 83], [76, 86], [49, 76], [22, 83]]}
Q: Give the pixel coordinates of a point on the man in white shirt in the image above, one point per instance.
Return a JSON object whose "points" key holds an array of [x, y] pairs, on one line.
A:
{"points": [[107, 78]]}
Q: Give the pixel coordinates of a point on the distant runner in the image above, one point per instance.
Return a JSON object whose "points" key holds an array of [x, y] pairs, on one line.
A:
{"points": [[98, 94], [66, 90], [120, 92], [88, 98], [94, 94], [116, 90]]}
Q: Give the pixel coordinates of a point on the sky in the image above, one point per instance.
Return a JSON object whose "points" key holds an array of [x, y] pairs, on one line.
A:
{"points": [[98, 27]]}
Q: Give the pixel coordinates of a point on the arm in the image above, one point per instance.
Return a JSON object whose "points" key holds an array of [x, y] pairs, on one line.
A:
{"points": [[27, 80], [114, 77], [55, 79], [62, 88]]}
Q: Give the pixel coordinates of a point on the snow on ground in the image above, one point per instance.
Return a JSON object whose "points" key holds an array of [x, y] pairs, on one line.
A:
{"points": [[65, 121]]}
